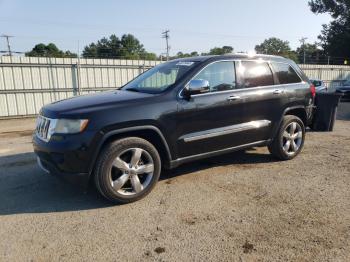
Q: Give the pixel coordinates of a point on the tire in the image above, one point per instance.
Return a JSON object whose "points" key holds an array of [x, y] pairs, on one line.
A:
{"points": [[292, 129], [127, 170]]}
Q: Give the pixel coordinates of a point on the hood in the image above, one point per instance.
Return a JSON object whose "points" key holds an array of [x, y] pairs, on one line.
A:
{"points": [[88, 103], [343, 88]]}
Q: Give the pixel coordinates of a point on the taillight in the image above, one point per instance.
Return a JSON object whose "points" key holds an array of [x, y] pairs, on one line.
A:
{"points": [[313, 90]]}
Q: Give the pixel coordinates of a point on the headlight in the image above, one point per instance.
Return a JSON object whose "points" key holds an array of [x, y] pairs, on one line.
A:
{"points": [[46, 127], [68, 126]]}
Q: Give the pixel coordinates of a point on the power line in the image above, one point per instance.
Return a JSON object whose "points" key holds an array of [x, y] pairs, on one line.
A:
{"points": [[8, 43], [165, 35]]}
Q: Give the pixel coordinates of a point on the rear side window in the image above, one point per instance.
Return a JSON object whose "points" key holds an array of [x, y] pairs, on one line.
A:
{"points": [[253, 74], [285, 73]]}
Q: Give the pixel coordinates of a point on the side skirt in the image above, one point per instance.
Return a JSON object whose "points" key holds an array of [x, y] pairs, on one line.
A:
{"points": [[180, 161]]}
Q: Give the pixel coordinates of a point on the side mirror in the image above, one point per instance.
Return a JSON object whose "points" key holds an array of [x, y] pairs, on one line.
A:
{"points": [[195, 87]]}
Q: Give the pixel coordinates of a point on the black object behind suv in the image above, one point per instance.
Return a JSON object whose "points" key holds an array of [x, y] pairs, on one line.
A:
{"points": [[176, 112]]}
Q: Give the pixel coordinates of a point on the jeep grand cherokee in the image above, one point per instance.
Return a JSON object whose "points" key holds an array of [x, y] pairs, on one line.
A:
{"points": [[176, 112]]}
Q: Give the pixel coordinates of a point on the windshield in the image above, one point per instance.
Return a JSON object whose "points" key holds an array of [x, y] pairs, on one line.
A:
{"points": [[159, 77]]}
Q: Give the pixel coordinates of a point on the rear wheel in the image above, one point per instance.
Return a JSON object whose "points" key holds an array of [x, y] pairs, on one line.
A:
{"points": [[289, 140], [127, 170]]}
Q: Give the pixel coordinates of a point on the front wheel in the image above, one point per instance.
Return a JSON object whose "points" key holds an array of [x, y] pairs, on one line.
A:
{"points": [[127, 170], [289, 140]]}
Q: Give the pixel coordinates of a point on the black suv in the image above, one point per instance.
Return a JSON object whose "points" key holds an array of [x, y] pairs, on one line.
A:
{"points": [[176, 112]]}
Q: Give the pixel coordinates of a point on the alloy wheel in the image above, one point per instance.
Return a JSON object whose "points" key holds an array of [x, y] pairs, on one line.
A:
{"points": [[292, 138], [132, 171]]}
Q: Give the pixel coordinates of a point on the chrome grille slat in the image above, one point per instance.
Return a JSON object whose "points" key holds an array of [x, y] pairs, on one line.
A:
{"points": [[42, 128]]}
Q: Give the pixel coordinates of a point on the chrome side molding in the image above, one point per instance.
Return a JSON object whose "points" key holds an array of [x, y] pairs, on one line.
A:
{"points": [[226, 130]]}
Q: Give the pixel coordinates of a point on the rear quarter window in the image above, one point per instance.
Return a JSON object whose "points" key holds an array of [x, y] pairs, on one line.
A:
{"points": [[285, 73]]}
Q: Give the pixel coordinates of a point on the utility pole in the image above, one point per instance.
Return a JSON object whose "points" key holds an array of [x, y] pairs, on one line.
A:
{"points": [[165, 35], [302, 41], [8, 43], [78, 70]]}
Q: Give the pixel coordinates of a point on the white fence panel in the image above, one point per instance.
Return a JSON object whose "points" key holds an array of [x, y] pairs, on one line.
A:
{"points": [[28, 83]]}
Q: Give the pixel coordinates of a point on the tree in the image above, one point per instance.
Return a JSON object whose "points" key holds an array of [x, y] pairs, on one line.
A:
{"points": [[49, 50], [312, 53], [336, 8], [276, 46], [128, 47], [273, 46], [335, 37], [182, 55], [220, 50]]}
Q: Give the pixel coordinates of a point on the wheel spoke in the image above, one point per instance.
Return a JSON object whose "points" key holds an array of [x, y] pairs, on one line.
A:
{"points": [[299, 135], [286, 134], [136, 156], [145, 169], [120, 164], [136, 184], [117, 184], [286, 146], [292, 128], [293, 146]]}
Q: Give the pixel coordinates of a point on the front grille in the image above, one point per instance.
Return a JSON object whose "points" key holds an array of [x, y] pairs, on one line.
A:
{"points": [[42, 127]]}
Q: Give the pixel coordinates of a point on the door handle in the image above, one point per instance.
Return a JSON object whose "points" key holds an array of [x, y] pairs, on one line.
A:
{"points": [[277, 92], [233, 98]]}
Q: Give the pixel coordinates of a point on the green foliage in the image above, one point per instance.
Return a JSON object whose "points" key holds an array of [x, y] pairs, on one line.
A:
{"points": [[220, 50], [336, 8], [276, 46], [335, 37], [312, 53], [182, 55], [50, 50], [128, 47], [214, 51], [273, 46]]}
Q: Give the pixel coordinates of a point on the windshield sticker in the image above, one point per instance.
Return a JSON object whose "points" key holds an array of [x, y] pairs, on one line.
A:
{"points": [[185, 63]]}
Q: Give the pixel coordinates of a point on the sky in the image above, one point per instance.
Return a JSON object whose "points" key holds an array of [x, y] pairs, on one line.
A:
{"points": [[194, 25]]}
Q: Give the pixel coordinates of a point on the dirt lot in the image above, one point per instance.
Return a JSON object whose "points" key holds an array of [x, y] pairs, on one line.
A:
{"points": [[239, 207]]}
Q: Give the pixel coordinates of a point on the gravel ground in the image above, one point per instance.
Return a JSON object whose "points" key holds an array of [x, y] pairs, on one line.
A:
{"points": [[244, 206]]}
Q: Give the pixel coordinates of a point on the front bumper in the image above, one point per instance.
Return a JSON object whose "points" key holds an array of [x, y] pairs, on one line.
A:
{"points": [[346, 95], [70, 157], [80, 179]]}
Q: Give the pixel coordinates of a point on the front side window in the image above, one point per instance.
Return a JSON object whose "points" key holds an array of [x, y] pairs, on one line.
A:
{"points": [[253, 74], [220, 75], [160, 77], [286, 74]]}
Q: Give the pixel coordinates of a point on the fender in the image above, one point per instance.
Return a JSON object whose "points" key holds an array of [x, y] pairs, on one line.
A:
{"points": [[125, 130], [275, 129]]}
